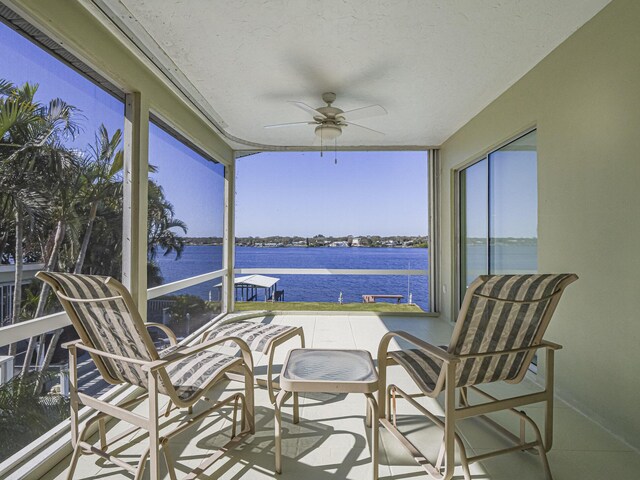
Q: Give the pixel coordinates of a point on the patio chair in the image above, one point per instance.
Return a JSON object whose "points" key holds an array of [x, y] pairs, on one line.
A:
{"points": [[261, 337], [500, 327], [113, 333]]}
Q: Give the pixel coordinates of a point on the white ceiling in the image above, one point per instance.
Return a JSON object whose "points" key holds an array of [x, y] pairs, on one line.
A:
{"points": [[433, 64]]}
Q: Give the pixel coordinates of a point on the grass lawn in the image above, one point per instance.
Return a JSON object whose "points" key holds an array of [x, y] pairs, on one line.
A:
{"points": [[328, 307]]}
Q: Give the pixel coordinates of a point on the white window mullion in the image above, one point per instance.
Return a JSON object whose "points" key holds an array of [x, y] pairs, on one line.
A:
{"points": [[135, 200]]}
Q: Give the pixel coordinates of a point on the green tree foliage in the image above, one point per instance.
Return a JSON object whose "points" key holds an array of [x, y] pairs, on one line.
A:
{"points": [[63, 207], [24, 415]]}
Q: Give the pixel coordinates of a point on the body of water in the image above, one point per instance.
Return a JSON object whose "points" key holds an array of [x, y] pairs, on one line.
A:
{"points": [[313, 288], [197, 260]]}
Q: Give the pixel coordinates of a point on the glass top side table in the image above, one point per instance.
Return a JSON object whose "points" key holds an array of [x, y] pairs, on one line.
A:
{"points": [[328, 371]]}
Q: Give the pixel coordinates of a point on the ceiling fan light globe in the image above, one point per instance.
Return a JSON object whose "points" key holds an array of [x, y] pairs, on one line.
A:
{"points": [[328, 132]]}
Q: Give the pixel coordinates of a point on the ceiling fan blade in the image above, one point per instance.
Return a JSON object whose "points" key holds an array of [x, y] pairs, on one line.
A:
{"points": [[362, 126], [307, 108], [293, 124], [364, 112]]}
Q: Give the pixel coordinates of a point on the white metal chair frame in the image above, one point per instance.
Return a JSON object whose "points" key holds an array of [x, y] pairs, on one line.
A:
{"points": [[156, 373], [445, 465]]}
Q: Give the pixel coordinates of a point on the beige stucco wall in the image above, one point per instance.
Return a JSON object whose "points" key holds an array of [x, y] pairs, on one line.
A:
{"points": [[70, 23], [585, 100]]}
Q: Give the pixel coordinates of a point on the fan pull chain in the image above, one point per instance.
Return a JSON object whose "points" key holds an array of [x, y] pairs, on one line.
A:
{"points": [[335, 151]]}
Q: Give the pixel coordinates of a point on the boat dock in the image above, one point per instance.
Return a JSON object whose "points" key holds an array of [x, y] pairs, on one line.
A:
{"points": [[374, 298]]}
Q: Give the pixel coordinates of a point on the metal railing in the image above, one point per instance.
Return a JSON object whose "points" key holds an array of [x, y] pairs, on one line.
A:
{"points": [[41, 325], [38, 326]]}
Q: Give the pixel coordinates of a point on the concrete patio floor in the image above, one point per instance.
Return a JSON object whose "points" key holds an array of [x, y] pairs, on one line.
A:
{"points": [[331, 440]]}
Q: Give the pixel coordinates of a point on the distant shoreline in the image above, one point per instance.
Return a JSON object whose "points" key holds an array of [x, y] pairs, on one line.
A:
{"points": [[372, 241], [304, 246]]}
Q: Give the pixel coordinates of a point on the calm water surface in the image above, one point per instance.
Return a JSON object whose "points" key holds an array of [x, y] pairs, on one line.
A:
{"points": [[317, 288]]}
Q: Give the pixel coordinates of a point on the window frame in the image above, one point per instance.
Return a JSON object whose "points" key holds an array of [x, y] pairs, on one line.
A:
{"points": [[458, 281], [432, 220]]}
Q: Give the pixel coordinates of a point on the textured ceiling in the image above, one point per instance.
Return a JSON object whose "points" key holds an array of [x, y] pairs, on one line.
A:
{"points": [[433, 64]]}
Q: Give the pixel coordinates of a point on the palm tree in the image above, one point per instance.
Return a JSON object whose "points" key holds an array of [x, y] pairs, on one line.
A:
{"points": [[65, 186], [101, 170], [95, 181], [30, 150], [161, 231]]}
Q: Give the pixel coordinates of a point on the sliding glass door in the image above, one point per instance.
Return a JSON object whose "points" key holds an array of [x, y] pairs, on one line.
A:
{"points": [[499, 212], [474, 222]]}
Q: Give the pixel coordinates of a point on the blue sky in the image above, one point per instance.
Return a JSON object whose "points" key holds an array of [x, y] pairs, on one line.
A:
{"points": [[193, 184], [302, 193], [22, 61]]}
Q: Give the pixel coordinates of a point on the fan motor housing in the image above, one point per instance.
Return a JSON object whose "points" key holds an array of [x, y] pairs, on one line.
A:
{"points": [[328, 132]]}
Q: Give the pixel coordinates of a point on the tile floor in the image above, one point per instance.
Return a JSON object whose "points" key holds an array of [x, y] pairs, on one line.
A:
{"points": [[331, 440]]}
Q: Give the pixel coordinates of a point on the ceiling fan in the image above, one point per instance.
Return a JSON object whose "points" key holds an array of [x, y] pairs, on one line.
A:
{"points": [[330, 120]]}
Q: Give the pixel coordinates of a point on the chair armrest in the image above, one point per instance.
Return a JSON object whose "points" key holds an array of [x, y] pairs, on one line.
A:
{"points": [[498, 353], [187, 352], [71, 344], [172, 336], [102, 353], [551, 345], [434, 350]]}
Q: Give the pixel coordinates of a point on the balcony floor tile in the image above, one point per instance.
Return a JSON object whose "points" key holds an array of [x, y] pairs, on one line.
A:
{"points": [[332, 441]]}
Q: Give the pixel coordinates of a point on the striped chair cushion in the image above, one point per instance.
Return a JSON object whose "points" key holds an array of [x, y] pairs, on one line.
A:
{"points": [[112, 328], [192, 376], [259, 336], [108, 324], [423, 369], [505, 312]]}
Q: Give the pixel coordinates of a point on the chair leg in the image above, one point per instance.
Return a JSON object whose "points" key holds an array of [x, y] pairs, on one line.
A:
{"points": [[234, 419], [103, 434], [296, 408], [248, 412], [440, 456], [168, 458], [77, 450], [368, 413], [73, 393], [154, 428], [272, 349], [545, 463], [392, 405], [168, 410], [449, 421], [141, 464], [280, 399], [542, 451], [548, 406], [74, 461], [372, 418], [272, 395], [463, 401]]}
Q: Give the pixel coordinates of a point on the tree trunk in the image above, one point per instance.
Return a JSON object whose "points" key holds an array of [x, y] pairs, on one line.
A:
{"points": [[17, 285], [47, 359], [85, 240], [3, 243], [44, 293]]}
